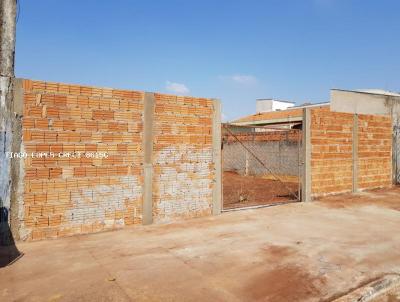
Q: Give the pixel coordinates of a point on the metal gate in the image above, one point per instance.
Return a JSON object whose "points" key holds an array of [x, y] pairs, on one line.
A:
{"points": [[261, 166]]}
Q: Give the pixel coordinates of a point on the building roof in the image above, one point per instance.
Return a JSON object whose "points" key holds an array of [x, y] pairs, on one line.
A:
{"points": [[276, 100], [289, 115], [293, 114], [372, 91], [380, 91]]}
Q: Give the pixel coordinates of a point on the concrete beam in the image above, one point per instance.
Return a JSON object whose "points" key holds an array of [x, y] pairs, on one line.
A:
{"points": [[147, 143], [306, 150], [216, 141], [355, 153]]}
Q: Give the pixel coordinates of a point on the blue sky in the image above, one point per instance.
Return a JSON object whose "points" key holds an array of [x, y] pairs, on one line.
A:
{"points": [[233, 50]]}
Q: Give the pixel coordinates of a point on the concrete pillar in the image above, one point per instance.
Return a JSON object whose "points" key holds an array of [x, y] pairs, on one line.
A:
{"points": [[8, 10], [355, 153], [216, 145], [7, 51], [17, 165], [147, 143], [395, 144], [306, 150], [246, 166]]}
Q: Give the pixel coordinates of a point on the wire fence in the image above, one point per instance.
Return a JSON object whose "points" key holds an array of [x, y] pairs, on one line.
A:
{"points": [[261, 165]]}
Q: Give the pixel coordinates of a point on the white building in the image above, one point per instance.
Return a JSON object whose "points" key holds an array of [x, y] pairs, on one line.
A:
{"points": [[268, 105]]}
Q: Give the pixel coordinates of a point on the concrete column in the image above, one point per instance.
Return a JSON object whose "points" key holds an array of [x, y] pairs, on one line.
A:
{"points": [[395, 143], [147, 143], [7, 51], [355, 153], [17, 165], [246, 169], [306, 150], [216, 139], [8, 9]]}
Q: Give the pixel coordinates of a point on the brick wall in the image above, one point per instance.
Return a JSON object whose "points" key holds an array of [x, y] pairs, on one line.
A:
{"points": [[271, 135], [183, 165], [375, 151], [64, 195], [332, 151], [69, 195]]}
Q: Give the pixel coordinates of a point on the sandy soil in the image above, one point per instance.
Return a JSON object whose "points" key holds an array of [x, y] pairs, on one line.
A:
{"points": [[379, 197], [243, 191], [391, 296], [296, 252]]}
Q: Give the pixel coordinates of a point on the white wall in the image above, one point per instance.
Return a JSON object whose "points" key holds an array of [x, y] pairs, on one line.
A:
{"points": [[268, 105]]}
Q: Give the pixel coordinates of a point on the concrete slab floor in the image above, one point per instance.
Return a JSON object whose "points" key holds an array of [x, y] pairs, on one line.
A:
{"points": [[298, 252]]}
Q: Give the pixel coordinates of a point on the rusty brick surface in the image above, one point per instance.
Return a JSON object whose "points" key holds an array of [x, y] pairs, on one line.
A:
{"points": [[65, 196], [374, 151], [183, 168], [332, 151]]}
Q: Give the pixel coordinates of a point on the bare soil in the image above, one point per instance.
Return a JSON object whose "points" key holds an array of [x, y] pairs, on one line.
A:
{"points": [[244, 191], [307, 252], [388, 198]]}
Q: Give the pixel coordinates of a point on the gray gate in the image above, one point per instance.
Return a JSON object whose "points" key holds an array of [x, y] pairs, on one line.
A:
{"points": [[261, 166]]}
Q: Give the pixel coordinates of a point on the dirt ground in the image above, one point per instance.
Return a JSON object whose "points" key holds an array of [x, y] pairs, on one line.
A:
{"points": [[312, 251], [391, 296], [378, 197], [243, 191]]}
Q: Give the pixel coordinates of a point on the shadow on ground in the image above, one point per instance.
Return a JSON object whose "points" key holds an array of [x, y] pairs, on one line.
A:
{"points": [[8, 251]]}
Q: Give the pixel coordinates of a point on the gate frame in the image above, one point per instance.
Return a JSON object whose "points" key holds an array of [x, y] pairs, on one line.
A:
{"points": [[300, 174]]}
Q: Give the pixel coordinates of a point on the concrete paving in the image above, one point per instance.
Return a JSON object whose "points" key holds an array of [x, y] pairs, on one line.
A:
{"points": [[314, 251]]}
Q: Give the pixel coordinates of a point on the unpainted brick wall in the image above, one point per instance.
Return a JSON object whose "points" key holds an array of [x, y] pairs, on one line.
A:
{"points": [[375, 151], [332, 151], [183, 161], [65, 196]]}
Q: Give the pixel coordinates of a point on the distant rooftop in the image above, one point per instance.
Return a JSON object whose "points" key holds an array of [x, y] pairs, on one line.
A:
{"points": [[276, 100], [295, 113], [308, 105], [373, 91], [380, 91]]}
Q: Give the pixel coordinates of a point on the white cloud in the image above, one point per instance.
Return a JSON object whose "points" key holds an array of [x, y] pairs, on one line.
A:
{"points": [[177, 88], [224, 117], [244, 79], [241, 79]]}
